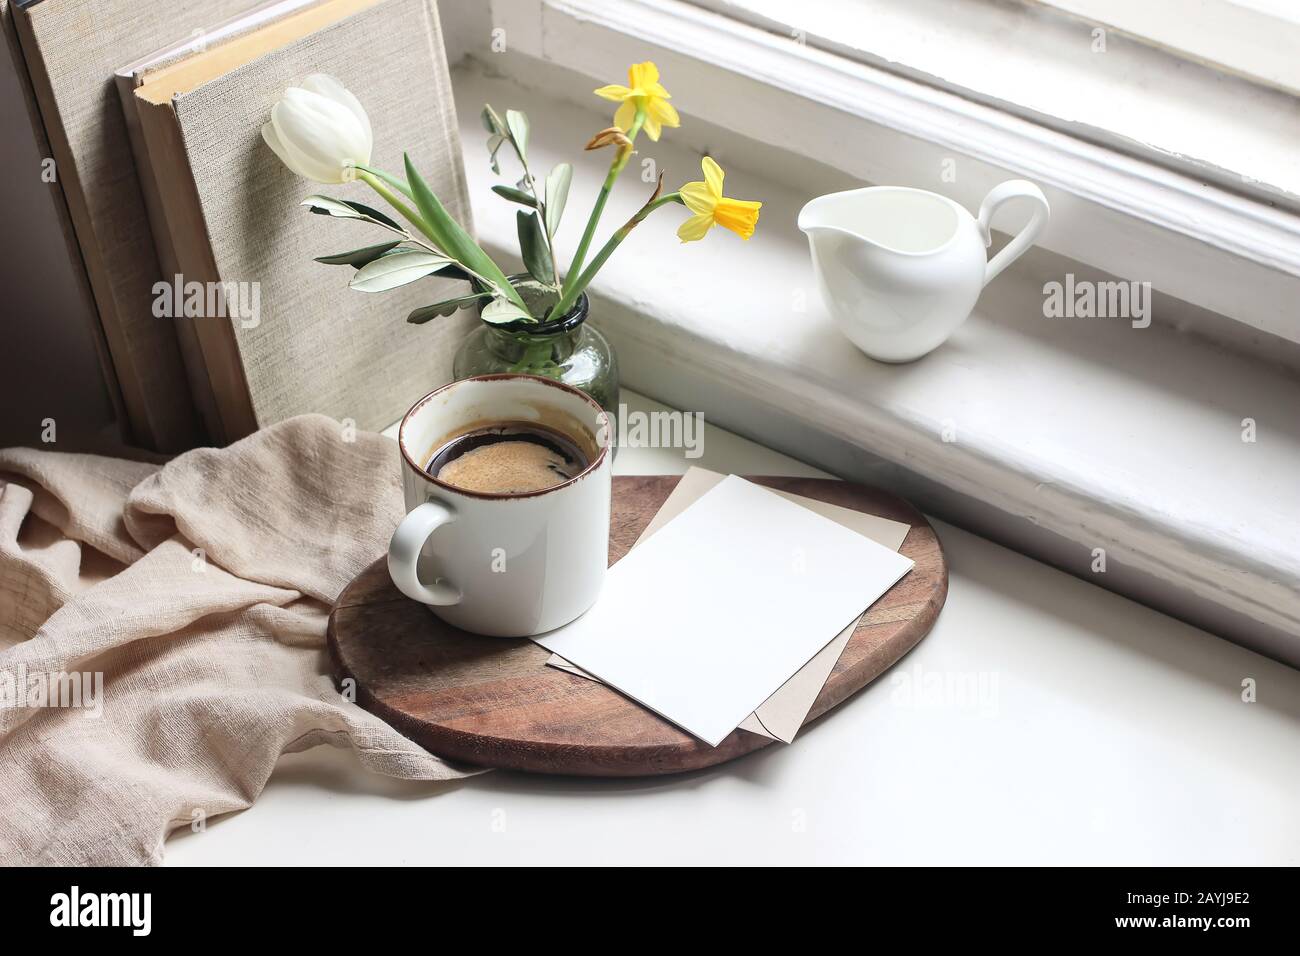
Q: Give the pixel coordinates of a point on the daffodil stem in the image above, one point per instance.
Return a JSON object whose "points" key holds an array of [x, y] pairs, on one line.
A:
{"points": [[616, 167], [574, 289]]}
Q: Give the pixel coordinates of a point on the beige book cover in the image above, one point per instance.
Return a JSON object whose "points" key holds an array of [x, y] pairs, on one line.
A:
{"points": [[292, 337], [71, 48], [129, 78]]}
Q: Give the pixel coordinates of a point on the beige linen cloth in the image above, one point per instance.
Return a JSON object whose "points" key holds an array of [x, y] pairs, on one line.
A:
{"points": [[200, 589]]}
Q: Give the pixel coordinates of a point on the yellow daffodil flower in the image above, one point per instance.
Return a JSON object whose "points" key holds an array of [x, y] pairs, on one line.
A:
{"points": [[643, 90], [708, 204]]}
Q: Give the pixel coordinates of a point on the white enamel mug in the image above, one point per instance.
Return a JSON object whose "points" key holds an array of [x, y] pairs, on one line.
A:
{"points": [[503, 565]]}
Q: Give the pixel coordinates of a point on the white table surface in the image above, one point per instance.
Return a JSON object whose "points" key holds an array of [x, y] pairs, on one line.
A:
{"points": [[1043, 720]]}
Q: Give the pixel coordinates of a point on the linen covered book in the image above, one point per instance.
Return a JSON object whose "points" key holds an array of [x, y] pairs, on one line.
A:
{"points": [[71, 48], [293, 337], [128, 79]]}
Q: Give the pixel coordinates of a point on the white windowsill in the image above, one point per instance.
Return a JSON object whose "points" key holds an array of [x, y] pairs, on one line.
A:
{"points": [[1178, 228], [1084, 730], [1071, 434]]}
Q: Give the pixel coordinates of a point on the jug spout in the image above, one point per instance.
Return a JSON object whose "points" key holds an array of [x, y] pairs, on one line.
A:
{"points": [[896, 219], [826, 216]]}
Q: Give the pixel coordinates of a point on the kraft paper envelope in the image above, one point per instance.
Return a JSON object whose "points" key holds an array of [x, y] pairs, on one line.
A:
{"points": [[782, 714]]}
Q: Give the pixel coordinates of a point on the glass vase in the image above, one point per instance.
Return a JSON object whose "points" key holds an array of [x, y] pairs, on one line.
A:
{"points": [[566, 349]]}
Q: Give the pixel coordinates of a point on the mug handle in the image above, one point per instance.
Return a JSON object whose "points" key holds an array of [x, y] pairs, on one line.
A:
{"points": [[1011, 189], [404, 554]]}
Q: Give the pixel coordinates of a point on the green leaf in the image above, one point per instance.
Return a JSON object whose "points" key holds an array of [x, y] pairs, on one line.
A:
{"points": [[518, 124], [500, 311], [453, 271], [515, 195], [494, 144], [448, 235], [396, 268], [325, 206], [532, 245], [426, 312], [358, 257], [500, 134], [396, 182], [373, 214], [346, 209], [557, 194], [492, 120]]}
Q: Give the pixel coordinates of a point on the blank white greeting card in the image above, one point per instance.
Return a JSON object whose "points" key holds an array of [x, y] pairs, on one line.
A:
{"points": [[703, 621], [781, 716]]}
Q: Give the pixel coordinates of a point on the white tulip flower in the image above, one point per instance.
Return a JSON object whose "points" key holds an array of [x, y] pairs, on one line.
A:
{"points": [[320, 130]]}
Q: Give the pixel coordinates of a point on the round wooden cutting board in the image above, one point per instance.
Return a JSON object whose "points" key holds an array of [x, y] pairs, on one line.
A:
{"points": [[494, 702]]}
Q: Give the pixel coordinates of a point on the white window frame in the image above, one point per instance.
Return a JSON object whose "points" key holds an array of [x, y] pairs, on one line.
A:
{"points": [[1236, 255], [1155, 96], [1248, 38]]}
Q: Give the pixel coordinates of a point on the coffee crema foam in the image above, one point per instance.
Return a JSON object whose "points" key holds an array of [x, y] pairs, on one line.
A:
{"points": [[507, 459]]}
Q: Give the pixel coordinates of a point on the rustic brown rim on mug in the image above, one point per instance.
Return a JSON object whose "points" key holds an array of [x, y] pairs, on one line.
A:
{"points": [[498, 377]]}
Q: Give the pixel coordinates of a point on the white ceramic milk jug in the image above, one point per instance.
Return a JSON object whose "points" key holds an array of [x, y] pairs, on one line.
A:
{"points": [[900, 269]]}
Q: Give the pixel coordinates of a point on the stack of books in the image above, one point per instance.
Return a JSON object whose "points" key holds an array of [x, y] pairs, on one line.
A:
{"points": [[214, 317]]}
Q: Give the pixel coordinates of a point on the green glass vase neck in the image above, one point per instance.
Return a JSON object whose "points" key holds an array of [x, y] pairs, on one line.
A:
{"points": [[540, 299], [569, 350], [530, 342], [514, 346]]}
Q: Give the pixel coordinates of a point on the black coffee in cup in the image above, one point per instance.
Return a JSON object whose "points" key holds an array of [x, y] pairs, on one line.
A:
{"points": [[508, 458]]}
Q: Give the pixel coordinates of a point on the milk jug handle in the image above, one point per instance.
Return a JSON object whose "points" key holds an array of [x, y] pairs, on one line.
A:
{"points": [[1011, 189]]}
